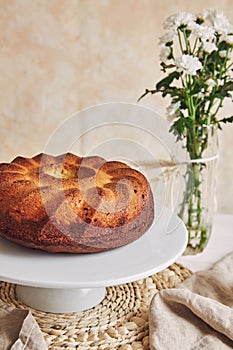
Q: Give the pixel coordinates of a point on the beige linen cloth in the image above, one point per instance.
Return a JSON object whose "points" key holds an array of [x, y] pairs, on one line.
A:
{"points": [[19, 330], [197, 314]]}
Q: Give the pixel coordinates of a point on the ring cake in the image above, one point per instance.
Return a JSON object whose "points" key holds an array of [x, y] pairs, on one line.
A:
{"points": [[72, 204]]}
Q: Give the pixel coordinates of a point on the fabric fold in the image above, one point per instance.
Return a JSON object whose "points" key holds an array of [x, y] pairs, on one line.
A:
{"points": [[19, 330], [197, 314]]}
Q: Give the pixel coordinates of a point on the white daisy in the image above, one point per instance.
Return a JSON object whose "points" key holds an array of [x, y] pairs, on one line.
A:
{"points": [[209, 47], [228, 38], [189, 64], [164, 53], [207, 13], [202, 32], [200, 94], [221, 23], [211, 82], [166, 38], [220, 82], [176, 20], [222, 53]]}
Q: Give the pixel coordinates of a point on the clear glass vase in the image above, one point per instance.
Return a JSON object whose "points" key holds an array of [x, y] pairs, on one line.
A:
{"points": [[197, 191]]}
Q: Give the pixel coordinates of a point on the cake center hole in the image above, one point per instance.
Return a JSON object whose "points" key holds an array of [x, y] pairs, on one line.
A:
{"points": [[59, 172], [68, 173]]}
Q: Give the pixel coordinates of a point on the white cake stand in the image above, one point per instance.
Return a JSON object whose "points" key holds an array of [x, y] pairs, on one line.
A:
{"points": [[62, 283]]}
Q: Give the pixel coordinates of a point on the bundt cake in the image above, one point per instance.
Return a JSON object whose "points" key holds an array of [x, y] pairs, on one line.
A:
{"points": [[72, 204]]}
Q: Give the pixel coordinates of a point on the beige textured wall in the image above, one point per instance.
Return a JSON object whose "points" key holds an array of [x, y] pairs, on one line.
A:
{"points": [[60, 56]]}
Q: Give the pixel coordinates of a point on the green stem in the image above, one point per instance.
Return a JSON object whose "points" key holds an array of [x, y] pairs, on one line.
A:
{"points": [[230, 65], [186, 42], [194, 46], [213, 99], [217, 109], [204, 65], [180, 41], [191, 208]]}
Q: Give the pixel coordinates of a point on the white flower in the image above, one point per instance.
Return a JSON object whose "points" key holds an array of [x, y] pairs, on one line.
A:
{"points": [[223, 53], [209, 47], [164, 53], [220, 81], [211, 82], [220, 22], [207, 13], [203, 32], [178, 19], [200, 95], [228, 38], [189, 64], [167, 37], [172, 110]]}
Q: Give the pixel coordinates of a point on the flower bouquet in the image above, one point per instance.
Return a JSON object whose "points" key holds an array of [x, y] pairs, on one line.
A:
{"points": [[196, 56]]}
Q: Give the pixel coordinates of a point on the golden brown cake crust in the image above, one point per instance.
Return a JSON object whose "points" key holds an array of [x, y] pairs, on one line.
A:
{"points": [[72, 204]]}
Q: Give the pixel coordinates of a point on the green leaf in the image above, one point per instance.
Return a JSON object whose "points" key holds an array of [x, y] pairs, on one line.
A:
{"points": [[197, 88], [178, 93], [227, 86], [222, 95], [222, 46], [164, 83], [181, 126], [226, 120], [147, 91], [166, 66]]}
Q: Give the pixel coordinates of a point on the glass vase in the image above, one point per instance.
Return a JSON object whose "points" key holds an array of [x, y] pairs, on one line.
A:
{"points": [[197, 191]]}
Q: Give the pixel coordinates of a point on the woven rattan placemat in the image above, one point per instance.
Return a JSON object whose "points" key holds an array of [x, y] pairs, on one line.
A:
{"points": [[119, 322]]}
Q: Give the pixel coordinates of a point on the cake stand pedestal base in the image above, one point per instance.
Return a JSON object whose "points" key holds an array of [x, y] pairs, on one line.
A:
{"points": [[60, 300]]}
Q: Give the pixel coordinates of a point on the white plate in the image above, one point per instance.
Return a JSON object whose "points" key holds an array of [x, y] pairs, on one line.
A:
{"points": [[164, 242]]}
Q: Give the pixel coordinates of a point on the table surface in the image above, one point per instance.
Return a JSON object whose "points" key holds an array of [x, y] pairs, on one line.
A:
{"points": [[220, 244]]}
